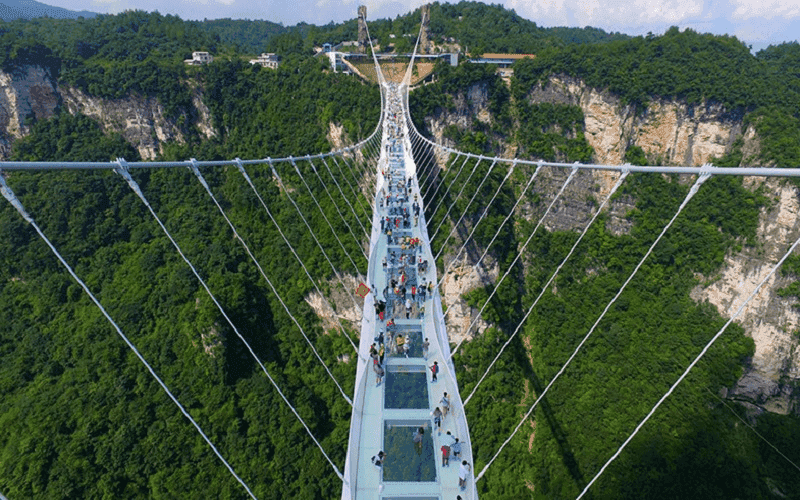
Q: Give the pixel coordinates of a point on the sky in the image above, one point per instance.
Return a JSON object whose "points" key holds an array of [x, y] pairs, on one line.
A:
{"points": [[758, 23]]}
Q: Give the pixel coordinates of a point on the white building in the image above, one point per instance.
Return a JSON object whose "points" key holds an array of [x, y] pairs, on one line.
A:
{"points": [[266, 61], [199, 58]]}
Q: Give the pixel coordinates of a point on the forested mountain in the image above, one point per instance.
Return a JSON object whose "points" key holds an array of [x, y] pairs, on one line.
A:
{"points": [[470, 25], [248, 36], [693, 68], [80, 417], [28, 9], [696, 447]]}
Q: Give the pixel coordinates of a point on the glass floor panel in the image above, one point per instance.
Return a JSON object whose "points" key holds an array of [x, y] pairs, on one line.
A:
{"points": [[414, 341], [406, 387], [407, 461]]}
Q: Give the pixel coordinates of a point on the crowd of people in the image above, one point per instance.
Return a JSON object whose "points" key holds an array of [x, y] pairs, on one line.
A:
{"points": [[406, 289]]}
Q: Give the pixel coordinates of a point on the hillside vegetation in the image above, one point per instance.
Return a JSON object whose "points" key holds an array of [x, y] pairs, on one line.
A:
{"points": [[692, 68], [81, 418], [470, 25], [696, 446]]}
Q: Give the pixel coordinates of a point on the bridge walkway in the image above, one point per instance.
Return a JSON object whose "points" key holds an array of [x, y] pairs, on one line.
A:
{"points": [[403, 302]]}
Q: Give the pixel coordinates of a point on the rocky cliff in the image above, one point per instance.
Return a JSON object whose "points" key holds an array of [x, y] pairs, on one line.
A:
{"points": [[30, 93], [468, 107], [675, 133], [670, 133], [26, 95], [772, 321]]}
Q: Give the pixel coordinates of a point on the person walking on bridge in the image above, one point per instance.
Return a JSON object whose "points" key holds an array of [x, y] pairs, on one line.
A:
{"points": [[463, 470]]}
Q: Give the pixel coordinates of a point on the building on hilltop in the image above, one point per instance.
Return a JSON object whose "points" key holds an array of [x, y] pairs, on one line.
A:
{"points": [[268, 60], [503, 61], [199, 58]]}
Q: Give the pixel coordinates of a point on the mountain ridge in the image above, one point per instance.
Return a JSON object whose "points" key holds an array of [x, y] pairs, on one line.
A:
{"points": [[29, 9]]}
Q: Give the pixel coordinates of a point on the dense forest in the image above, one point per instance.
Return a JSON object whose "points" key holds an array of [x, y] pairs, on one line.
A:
{"points": [[694, 68], [470, 25], [639, 349], [696, 447], [81, 418], [552, 132]]}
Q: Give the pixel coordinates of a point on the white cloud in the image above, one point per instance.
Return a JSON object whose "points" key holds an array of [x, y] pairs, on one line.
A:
{"points": [[767, 9], [607, 13], [667, 11]]}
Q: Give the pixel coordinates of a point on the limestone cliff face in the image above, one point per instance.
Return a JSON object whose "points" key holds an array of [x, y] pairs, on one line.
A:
{"points": [[140, 120], [459, 316], [25, 94], [203, 121], [468, 107], [669, 132], [675, 133], [462, 277], [31, 92], [769, 319]]}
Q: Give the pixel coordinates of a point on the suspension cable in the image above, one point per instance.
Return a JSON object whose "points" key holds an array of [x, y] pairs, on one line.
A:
{"points": [[447, 189], [450, 186], [480, 219], [285, 239], [324, 216], [458, 197], [355, 193], [433, 161], [427, 162], [428, 175], [313, 235], [336, 206], [358, 220], [439, 186], [547, 285], [496, 234], [691, 365], [422, 168], [700, 180], [9, 195], [519, 254], [123, 171], [745, 422], [246, 247], [409, 71], [427, 158], [434, 174], [361, 165], [362, 174]]}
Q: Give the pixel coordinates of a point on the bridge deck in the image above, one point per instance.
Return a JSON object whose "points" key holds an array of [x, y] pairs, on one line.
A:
{"points": [[387, 414]]}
